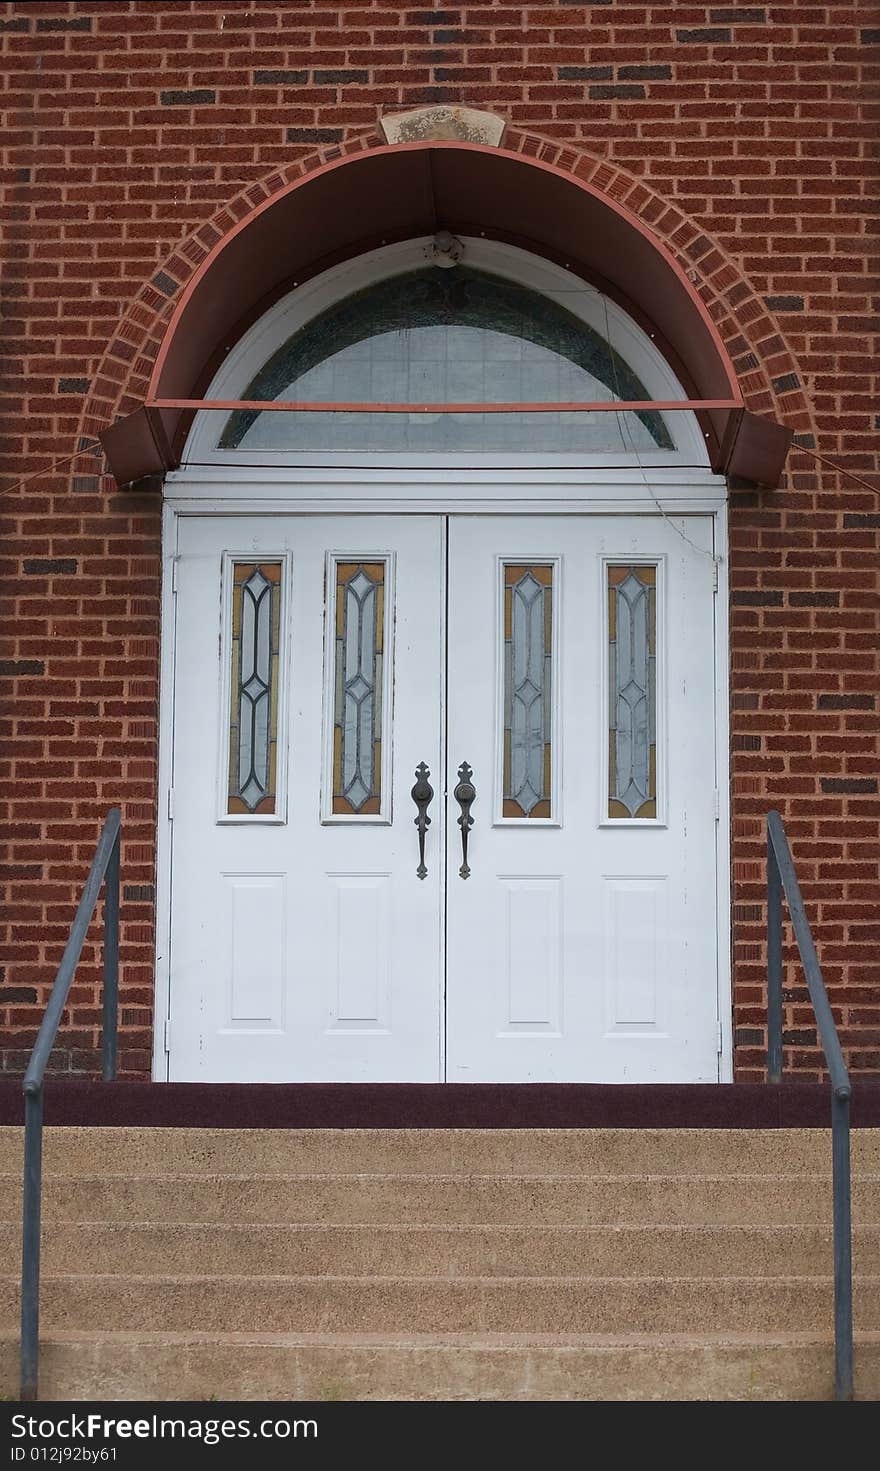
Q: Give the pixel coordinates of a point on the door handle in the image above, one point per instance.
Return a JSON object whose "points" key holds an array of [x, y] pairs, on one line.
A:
{"points": [[464, 795], [422, 794]]}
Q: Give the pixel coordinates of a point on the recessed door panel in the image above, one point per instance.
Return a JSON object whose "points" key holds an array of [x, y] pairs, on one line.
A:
{"points": [[636, 930], [360, 936], [532, 934], [256, 910]]}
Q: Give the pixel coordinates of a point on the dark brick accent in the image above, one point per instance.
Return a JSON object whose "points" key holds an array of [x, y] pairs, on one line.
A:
{"points": [[799, 1037], [704, 35], [735, 15], [22, 666], [26, 994], [749, 1037], [747, 743], [852, 786], [861, 521], [313, 135], [785, 303], [585, 73], [786, 383], [164, 283], [432, 17], [280, 78], [807, 441], [138, 893], [135, 1016], [39, 566], [758, 599], [846, 702], [877, 421], [869, 37], [447, 38], [17, 23], [193, 98], [62, 23], [325, 78], [814, 599], [607, 94], [21, 871], [415, 96], [73, 385], [86, 483], [644, 73]]}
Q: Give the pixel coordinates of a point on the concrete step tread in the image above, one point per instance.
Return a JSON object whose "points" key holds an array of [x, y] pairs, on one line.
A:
{"points": [[248, 1229], [434, 1178], [346, 1279], [445, 1339], [188, 1136], [445, 1364]]}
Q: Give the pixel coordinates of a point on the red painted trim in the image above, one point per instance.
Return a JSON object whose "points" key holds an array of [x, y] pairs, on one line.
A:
{"points": [[286, 406], [626, 215]]}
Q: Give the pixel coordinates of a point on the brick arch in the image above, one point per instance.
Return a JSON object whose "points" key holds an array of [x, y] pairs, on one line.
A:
{"points": [[766, 368]]}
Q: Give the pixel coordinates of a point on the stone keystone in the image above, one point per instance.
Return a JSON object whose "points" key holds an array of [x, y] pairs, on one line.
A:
{"points": [[443, 124]]}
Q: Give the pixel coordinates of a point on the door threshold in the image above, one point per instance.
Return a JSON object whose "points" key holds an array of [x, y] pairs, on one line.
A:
{"points": [[83, 1103]]}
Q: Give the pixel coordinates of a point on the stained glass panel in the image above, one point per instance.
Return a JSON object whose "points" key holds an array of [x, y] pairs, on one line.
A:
{"points": [[528, 675], [359, 647], [632, 644], [253, 705], [446, 336]]}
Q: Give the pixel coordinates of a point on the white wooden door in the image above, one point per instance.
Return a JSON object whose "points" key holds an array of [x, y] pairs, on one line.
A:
{"points": [[315, 670], [582, 945], [303, 945]]}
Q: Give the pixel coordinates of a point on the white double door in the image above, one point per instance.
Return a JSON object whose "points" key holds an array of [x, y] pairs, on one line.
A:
{"points": [[570, 662]]}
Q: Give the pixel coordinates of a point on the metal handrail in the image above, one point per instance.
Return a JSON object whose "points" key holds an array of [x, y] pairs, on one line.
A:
{"points": [[782, 879], [104, 870]]}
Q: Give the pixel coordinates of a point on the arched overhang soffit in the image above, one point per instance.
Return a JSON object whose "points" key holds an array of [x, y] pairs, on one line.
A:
{"points": [[410, 189]]}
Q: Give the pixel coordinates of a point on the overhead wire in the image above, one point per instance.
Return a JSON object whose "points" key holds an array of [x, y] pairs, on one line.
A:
{"points": [[624, 428]]}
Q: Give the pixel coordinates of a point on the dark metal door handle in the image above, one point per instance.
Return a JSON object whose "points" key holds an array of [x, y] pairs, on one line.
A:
{"points": [[464, 795], [422, 794]]}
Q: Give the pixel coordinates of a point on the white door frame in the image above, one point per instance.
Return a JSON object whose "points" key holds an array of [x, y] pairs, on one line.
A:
{"points": [[673, 492]]}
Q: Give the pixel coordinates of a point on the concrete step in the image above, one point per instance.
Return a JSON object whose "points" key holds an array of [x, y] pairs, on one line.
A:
{"points": [[183, 1248], [144, 1152], [326, 1303], [440, 1264], [434, 1200], [446, 1366]]}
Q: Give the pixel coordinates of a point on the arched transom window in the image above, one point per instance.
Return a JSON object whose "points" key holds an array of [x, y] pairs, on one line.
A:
{"points": [[498, 327]]}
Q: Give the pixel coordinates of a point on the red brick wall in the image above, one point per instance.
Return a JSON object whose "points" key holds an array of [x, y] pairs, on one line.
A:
{"points": [[127, 126]]}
